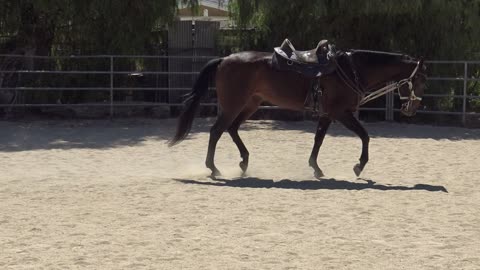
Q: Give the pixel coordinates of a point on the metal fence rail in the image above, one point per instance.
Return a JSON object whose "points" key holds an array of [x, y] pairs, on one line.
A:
{"points": [[110, 73]]}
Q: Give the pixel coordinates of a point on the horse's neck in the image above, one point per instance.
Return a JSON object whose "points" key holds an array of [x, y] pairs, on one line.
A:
{"points": [[380, 75], [376, 67]]}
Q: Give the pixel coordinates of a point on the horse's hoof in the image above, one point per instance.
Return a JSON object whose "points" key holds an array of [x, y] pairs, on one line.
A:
{"points": [[357, 169], [215, 173], [319, 174], [243, 165]]}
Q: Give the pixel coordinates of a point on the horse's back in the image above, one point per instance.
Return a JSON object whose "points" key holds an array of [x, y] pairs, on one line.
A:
{"points": [[242, 68], [248, 74], [250, 57]]}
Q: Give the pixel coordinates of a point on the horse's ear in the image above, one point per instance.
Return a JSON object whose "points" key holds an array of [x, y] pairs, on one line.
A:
{"points": [[421, 65]]}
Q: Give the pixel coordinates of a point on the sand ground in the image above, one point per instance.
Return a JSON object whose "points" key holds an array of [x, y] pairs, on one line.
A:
{"points": [[112, 195]]}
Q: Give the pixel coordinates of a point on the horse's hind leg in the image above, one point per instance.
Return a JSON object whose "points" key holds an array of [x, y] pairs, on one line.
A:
{"points": [[233, 95], [323, 124], [223, 122], [233, 130], [350, 122]]}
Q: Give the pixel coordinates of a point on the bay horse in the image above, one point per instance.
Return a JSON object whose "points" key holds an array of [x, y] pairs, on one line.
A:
{"points": [[246, 79]]}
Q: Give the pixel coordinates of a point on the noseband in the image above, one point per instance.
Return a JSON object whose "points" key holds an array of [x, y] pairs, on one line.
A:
{"points": [[408, 81]]}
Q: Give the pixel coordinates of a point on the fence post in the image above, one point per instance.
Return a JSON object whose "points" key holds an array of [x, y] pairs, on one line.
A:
{"points": [[389, 98], [465, 80], [387, 107], [111, 86]]}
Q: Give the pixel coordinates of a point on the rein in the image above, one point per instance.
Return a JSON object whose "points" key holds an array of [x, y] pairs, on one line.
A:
{"points": [[358, 89], [355, 86]]}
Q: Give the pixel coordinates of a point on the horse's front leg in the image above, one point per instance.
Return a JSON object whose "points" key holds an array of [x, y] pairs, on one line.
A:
{"points": [[350, 122], [323, 124]]}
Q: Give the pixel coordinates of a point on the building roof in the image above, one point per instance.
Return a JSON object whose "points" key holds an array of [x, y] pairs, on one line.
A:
{"points": [[208, 10], [216, 4], [220, 4]]}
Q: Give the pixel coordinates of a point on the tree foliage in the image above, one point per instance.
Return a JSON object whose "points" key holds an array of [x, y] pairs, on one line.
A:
{"points": [[101, 26], [432, 28]]}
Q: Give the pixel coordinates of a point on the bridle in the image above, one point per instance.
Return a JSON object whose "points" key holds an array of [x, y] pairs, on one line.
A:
{"points": [[412, 96], [357, 88]]}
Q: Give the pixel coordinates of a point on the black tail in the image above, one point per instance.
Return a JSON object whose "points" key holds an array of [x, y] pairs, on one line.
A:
{"points": [[192, 101]]}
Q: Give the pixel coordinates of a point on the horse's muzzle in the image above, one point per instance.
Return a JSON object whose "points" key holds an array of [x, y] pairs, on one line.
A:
{"points": [[410, 108]]}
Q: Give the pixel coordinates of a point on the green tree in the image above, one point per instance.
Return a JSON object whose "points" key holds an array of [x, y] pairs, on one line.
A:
{"points": [[431, 28], [101, 26]]}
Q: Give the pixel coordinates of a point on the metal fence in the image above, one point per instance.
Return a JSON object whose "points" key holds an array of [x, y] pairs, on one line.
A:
{"points": [[113, 69], [111, 76], [460, 92]]}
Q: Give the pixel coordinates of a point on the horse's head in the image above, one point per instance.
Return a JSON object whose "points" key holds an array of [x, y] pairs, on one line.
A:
{"points": [[412, 88], [397, 71]]}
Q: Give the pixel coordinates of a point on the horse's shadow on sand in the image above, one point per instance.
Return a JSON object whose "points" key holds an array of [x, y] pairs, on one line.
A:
{"points": [[328, 184]]}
